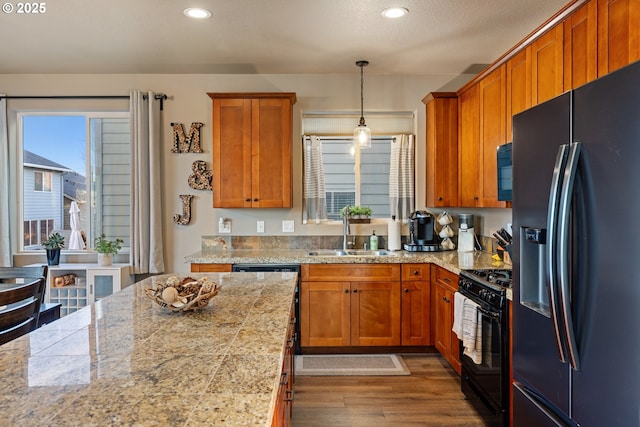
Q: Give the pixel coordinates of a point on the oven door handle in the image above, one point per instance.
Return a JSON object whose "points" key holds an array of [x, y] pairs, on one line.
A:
{"points": [[492, 314]]}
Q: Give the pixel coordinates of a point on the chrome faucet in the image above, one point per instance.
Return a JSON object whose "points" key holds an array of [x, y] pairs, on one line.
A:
{"points": [[345, 227]]}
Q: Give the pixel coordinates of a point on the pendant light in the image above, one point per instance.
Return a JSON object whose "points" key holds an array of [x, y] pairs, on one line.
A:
{"points": [[362, 134]]}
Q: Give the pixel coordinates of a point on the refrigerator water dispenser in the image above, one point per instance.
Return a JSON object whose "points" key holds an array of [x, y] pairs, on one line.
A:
{"points": [[534, 288]]}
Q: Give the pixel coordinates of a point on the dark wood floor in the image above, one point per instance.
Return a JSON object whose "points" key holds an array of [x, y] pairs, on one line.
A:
{"points": [[430, 396]]}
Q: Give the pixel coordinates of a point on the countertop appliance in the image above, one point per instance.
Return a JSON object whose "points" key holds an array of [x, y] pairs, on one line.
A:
{"points": [[279, 268], [422, 233], [466, 233], [576, 296], [486, 385]]}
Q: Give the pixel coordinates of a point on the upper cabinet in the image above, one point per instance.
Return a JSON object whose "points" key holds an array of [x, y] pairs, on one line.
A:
{"points": [[482, 129], [583, 41], [546, 65], [442, 149], [518, 80], [252, 148], [618, 34], [580, 47]]}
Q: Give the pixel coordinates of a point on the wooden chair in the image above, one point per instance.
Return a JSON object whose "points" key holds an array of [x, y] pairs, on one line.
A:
{"points": [[20, 302]]}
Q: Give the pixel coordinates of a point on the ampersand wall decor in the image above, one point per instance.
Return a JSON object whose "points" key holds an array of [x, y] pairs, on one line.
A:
{"points": [[201, 177], [185, 218], [189, 143]]}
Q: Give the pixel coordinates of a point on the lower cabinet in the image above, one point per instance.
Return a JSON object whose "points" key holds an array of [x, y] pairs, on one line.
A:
{"points": [[350, 305], [416, 305], [443, 285], [284, 401], [210, 268]]}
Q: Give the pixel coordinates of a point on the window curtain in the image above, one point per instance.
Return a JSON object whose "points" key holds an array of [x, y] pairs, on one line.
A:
{"points": [[401, 176], [314, 203], [147, 247], [5, 242]]}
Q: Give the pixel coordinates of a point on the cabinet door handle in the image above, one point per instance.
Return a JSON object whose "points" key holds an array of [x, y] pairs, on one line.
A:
{"points": [[416, 272], [446, 279], [346, 291], [247, 199], [355, 291], [406, 289], [439, 199], [255, 200]]}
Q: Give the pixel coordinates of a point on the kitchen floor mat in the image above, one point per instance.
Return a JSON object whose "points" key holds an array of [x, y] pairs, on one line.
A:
{"points": [[350, 365]]}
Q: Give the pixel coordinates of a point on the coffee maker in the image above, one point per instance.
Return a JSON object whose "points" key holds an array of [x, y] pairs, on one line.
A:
{"points": [[422, 233]]}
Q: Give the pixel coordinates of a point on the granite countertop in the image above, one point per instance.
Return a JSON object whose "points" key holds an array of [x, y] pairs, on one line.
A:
{"points": [[126, 361], [453, 261]]}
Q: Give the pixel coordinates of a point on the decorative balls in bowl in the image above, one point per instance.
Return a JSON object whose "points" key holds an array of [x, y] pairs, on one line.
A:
{"points": [[183, 295]]}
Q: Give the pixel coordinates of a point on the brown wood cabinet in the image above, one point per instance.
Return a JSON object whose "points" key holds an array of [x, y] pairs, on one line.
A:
{"points": [[580, 47], [350, 305], [284, 400], [618, 34], [252, 150], [469, 147], [444, 284], [482, 129], [492, 133], [442, 149], [416, 305], [210, 268], [546, 65], [518, 91]]}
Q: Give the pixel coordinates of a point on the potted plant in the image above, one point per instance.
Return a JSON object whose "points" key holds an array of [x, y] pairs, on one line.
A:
{"points": [[359, 213], [53, 243], [107, 249]]}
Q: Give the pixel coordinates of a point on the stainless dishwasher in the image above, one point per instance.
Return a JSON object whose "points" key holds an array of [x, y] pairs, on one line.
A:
{"points": [[279, 268]]}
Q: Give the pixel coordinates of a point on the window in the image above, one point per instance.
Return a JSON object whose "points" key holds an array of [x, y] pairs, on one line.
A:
{"points": [[356, 178], [42, 181], [75, 157]]}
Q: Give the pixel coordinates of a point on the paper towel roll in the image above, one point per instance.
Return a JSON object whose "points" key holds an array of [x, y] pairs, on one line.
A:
{"points": [[394, 235]]}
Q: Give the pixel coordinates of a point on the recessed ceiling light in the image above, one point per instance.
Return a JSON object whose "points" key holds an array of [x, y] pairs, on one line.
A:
{"points": [[196, 12], [394, 12]]}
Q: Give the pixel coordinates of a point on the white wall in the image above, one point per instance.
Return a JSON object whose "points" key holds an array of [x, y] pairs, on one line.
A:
{"points": [[188, 102]]}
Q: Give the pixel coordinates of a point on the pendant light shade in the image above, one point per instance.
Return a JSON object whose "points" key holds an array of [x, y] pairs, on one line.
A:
{"points": [[362, 133]]}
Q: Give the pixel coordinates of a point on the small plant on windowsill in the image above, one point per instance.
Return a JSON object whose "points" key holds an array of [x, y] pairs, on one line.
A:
{"points": [[357, 213], [53, 244], [107, 249]]}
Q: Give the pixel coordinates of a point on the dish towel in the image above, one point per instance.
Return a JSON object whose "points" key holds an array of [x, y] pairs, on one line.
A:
{"points": [[472, 331], [458, 304]]}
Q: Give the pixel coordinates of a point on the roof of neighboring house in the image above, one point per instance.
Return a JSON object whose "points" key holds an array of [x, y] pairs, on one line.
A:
{"points": [[34, 160], [72, 181]]}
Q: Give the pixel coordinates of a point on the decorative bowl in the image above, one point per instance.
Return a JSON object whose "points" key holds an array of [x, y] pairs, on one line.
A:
{"points": [[183, 295]]}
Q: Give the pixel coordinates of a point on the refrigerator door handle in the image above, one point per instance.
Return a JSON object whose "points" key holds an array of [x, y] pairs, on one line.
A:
{"points": [[552, 247], [563, 253]]}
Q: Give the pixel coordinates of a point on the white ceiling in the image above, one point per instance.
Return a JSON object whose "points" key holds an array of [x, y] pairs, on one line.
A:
{"points": [[265, 36]]}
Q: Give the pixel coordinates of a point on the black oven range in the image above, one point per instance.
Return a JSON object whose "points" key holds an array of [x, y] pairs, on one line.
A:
{"points": [[485, 382]]}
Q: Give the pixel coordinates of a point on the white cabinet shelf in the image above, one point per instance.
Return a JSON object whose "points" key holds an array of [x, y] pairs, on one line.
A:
{"points": [[92, 282]]}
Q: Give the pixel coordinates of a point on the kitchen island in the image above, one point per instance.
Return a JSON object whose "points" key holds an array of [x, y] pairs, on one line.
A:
{"points": [[125, 360]]}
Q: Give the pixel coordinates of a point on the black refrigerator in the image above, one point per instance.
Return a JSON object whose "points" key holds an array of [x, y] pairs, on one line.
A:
{"points": [[576, 256]]}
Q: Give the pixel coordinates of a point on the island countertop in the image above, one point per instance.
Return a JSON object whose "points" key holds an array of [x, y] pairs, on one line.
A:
{"points": [[124, 360]]}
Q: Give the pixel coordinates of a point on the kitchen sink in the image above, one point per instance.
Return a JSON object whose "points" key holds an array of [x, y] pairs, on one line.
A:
{"points": [[350, 252]]}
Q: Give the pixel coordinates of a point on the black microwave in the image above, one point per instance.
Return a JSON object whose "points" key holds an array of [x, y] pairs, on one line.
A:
{"points": [[505, 179]]}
